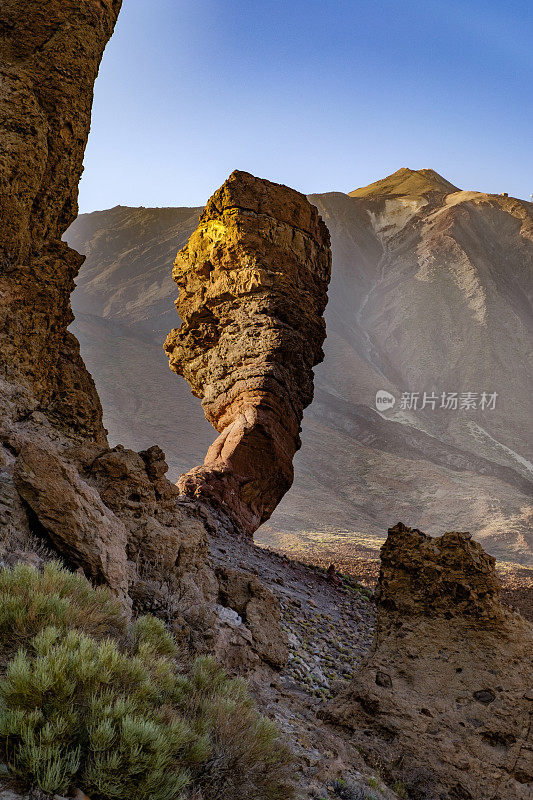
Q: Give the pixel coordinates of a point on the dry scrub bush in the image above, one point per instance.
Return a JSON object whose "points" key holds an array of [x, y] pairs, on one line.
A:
{"points": [[247, 759], [120, 717], [31, 600]]}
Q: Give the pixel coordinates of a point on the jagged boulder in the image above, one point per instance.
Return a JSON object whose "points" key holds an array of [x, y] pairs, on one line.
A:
{"points": [[444, 701], [164, 536], [72, 514], [258, 609], [253, 281]]}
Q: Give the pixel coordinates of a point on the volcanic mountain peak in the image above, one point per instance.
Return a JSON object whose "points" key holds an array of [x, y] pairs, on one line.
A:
{"points": [[409, 183]]}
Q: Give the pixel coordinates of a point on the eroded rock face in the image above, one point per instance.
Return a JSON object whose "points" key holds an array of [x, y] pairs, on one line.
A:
{"points": [[63, 491], [253, 281], [49, 58], [444, 698], [73, 515], [451, 576], [258, 609], [111, 512]]}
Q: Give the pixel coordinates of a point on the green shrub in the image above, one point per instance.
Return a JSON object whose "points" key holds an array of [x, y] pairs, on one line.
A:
{"points": [[247, 759], [400, 789], [120, 718], [31, 600]]}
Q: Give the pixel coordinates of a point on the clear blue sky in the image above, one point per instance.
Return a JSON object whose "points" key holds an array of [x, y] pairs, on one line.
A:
{"points": [[322, 95]]}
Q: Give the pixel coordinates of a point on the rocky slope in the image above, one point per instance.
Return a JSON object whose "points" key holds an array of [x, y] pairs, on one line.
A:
{"points": [[430, 292]]}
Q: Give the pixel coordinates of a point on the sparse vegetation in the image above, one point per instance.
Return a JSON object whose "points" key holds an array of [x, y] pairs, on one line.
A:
{"points": [[92, 702], [400, 789]]}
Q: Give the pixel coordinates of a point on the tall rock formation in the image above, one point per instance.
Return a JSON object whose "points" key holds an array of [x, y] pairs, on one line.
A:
{"points": [[49, 58], [444, 700], [253, 288]]}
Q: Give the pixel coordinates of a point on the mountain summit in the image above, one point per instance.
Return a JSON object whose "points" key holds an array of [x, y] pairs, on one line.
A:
{"points": [[408, 183]]}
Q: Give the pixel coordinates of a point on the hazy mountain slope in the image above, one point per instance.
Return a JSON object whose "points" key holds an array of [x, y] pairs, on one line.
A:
{"points": [[143, 402], [431, 291], [130, 251], [124, 307], [449, 307]]}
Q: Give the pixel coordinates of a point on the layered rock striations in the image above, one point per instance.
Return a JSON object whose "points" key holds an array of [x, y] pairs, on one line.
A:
{"points": [[253, 281], [444, 700]]}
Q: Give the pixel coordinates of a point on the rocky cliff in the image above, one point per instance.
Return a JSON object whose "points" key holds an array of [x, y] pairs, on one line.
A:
{"points": [[444, 698], [110, 511], [253, 281], [49, 62]]}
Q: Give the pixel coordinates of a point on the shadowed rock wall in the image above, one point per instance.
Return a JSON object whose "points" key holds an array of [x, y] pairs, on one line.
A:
{"points": [[49, 59]]}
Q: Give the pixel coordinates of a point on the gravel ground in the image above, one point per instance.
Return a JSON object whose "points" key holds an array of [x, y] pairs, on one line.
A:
{"points": [[329, 621]]}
